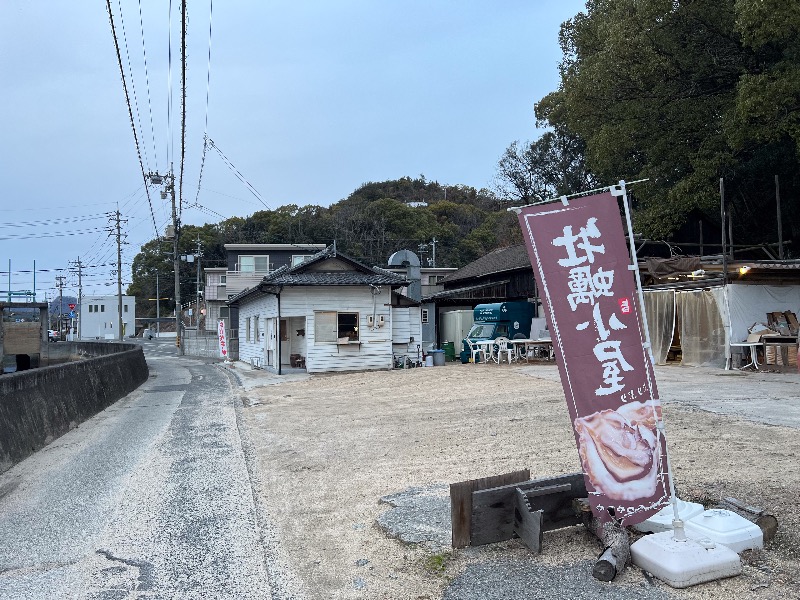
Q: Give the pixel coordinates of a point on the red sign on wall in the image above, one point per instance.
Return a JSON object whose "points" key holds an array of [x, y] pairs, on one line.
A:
{"points": [[581, 262], [223, 344]]}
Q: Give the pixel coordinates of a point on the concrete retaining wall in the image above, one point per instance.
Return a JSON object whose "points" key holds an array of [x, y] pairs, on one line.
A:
{"points": [[208, 346], [39, 405]]}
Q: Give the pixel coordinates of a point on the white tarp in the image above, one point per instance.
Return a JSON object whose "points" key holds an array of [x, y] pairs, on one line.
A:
{"points": [[710, 320], [703, 336], [750, 304], [660, 307]]}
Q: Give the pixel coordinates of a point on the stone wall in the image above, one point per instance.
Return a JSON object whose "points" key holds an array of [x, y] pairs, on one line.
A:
{"points": [[40, 405], [207, 346]]}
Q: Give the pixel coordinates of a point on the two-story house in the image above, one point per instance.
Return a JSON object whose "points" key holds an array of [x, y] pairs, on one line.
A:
{"points": [[247, 265]]}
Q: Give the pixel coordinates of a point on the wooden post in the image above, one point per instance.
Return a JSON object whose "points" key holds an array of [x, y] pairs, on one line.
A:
{"points": [[528, 522], [722, 219], [616, 552], [461, 502], [780, 224]]}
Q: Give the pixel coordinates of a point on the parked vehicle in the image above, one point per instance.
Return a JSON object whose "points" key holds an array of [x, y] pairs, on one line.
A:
{"points": [[501, 319], [52, 335]]}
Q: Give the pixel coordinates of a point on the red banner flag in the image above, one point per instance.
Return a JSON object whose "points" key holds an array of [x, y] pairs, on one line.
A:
{"points": [[581, 263]]}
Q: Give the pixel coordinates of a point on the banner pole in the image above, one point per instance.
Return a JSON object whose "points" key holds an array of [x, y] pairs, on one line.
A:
{"points": [[620, 191], [518, 209]]}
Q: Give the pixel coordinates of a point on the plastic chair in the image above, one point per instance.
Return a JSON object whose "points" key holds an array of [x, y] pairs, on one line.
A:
{"points": [[475, 350], [503, 347]]}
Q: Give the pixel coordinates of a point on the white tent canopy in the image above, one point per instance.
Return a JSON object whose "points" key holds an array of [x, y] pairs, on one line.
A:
{"points": [[710, 319]]}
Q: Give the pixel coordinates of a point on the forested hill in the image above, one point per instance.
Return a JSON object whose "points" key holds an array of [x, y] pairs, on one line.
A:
{"points": [[374, 221]]}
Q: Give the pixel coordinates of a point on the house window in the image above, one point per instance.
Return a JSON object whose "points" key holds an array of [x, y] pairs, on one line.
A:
{"points": [[331, 326], [223, 279], [125, 308], [254, 264], [90, 308], [255, 329], [424, 315], [434, 279], [102, 308], [298, 258], [247, 329], [224, 312]]}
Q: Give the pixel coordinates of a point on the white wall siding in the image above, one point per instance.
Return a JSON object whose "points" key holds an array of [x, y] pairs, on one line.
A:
{"points": [[406, 329], [254, 348], [376, 344], [375, 348]]}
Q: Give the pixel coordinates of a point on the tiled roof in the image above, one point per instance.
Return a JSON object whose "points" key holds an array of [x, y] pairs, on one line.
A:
{"points": [[302, 275], [457, 292], [286, 277], [497, 261]]}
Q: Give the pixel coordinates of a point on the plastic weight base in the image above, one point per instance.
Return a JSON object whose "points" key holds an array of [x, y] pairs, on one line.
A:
{"points": [[681, 564]]}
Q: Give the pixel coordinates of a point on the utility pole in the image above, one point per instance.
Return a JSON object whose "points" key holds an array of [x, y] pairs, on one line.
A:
{"points": [[433, 255], [168, 180], [158, 308], [197, 283], [79, 265], [60, 284], [116, 219]]}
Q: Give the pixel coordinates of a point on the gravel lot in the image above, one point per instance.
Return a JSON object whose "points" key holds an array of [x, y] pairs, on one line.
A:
{"points": [[351, 465]]}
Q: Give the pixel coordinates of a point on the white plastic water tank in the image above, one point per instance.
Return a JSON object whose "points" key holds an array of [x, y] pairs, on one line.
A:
{"points": [[662, 520], [684, 563], [726, 527]]}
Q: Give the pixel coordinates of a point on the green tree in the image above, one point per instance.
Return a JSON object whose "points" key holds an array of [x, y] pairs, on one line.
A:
{"points": [[553, 165], [676, 92]]}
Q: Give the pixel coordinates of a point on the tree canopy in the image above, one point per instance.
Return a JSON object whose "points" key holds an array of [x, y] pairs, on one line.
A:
{"points": [[374, 221], [684, 93]]}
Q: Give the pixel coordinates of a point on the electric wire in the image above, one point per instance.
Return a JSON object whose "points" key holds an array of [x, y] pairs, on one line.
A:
{"points": [[46, 222], [48, 235], [133, 82], [147, 81], [183, 107], [238, 174], [169, 90], [130, 112], [208, 93]]}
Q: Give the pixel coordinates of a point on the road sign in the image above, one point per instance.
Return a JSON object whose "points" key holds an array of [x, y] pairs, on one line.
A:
{"points": [[71, 306]]}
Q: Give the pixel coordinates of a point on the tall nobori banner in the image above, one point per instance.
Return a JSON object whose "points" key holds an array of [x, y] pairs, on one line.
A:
{"points": [[581, 262]]}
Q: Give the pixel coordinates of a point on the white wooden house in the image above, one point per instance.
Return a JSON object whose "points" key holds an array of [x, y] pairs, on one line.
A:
{"points": [[329, 313]]}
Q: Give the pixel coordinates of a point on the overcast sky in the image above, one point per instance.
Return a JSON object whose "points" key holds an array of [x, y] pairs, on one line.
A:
{"points": [[308, 99]]}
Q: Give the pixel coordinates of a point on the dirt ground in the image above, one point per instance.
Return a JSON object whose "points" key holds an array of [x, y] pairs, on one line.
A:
{"points": [[329, 447]]}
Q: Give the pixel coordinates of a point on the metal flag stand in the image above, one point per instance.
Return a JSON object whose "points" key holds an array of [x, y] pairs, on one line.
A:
{"points": [[671, 556]]}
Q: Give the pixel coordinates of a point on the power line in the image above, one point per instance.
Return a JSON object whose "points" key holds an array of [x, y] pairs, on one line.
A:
{"points": [[183, 106], [50, 235], [170, 152], [128, 102], [208, 92], [130, 71], [45, 222], [238, 174], [147, 80]]}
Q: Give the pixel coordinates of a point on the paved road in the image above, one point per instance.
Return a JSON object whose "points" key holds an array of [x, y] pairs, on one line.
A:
{"points": [[152, 498], [763, 397]]}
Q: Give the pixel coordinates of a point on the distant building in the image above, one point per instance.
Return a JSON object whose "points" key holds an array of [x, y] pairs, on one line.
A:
{"points": [[248, 264], [99, 318]]}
